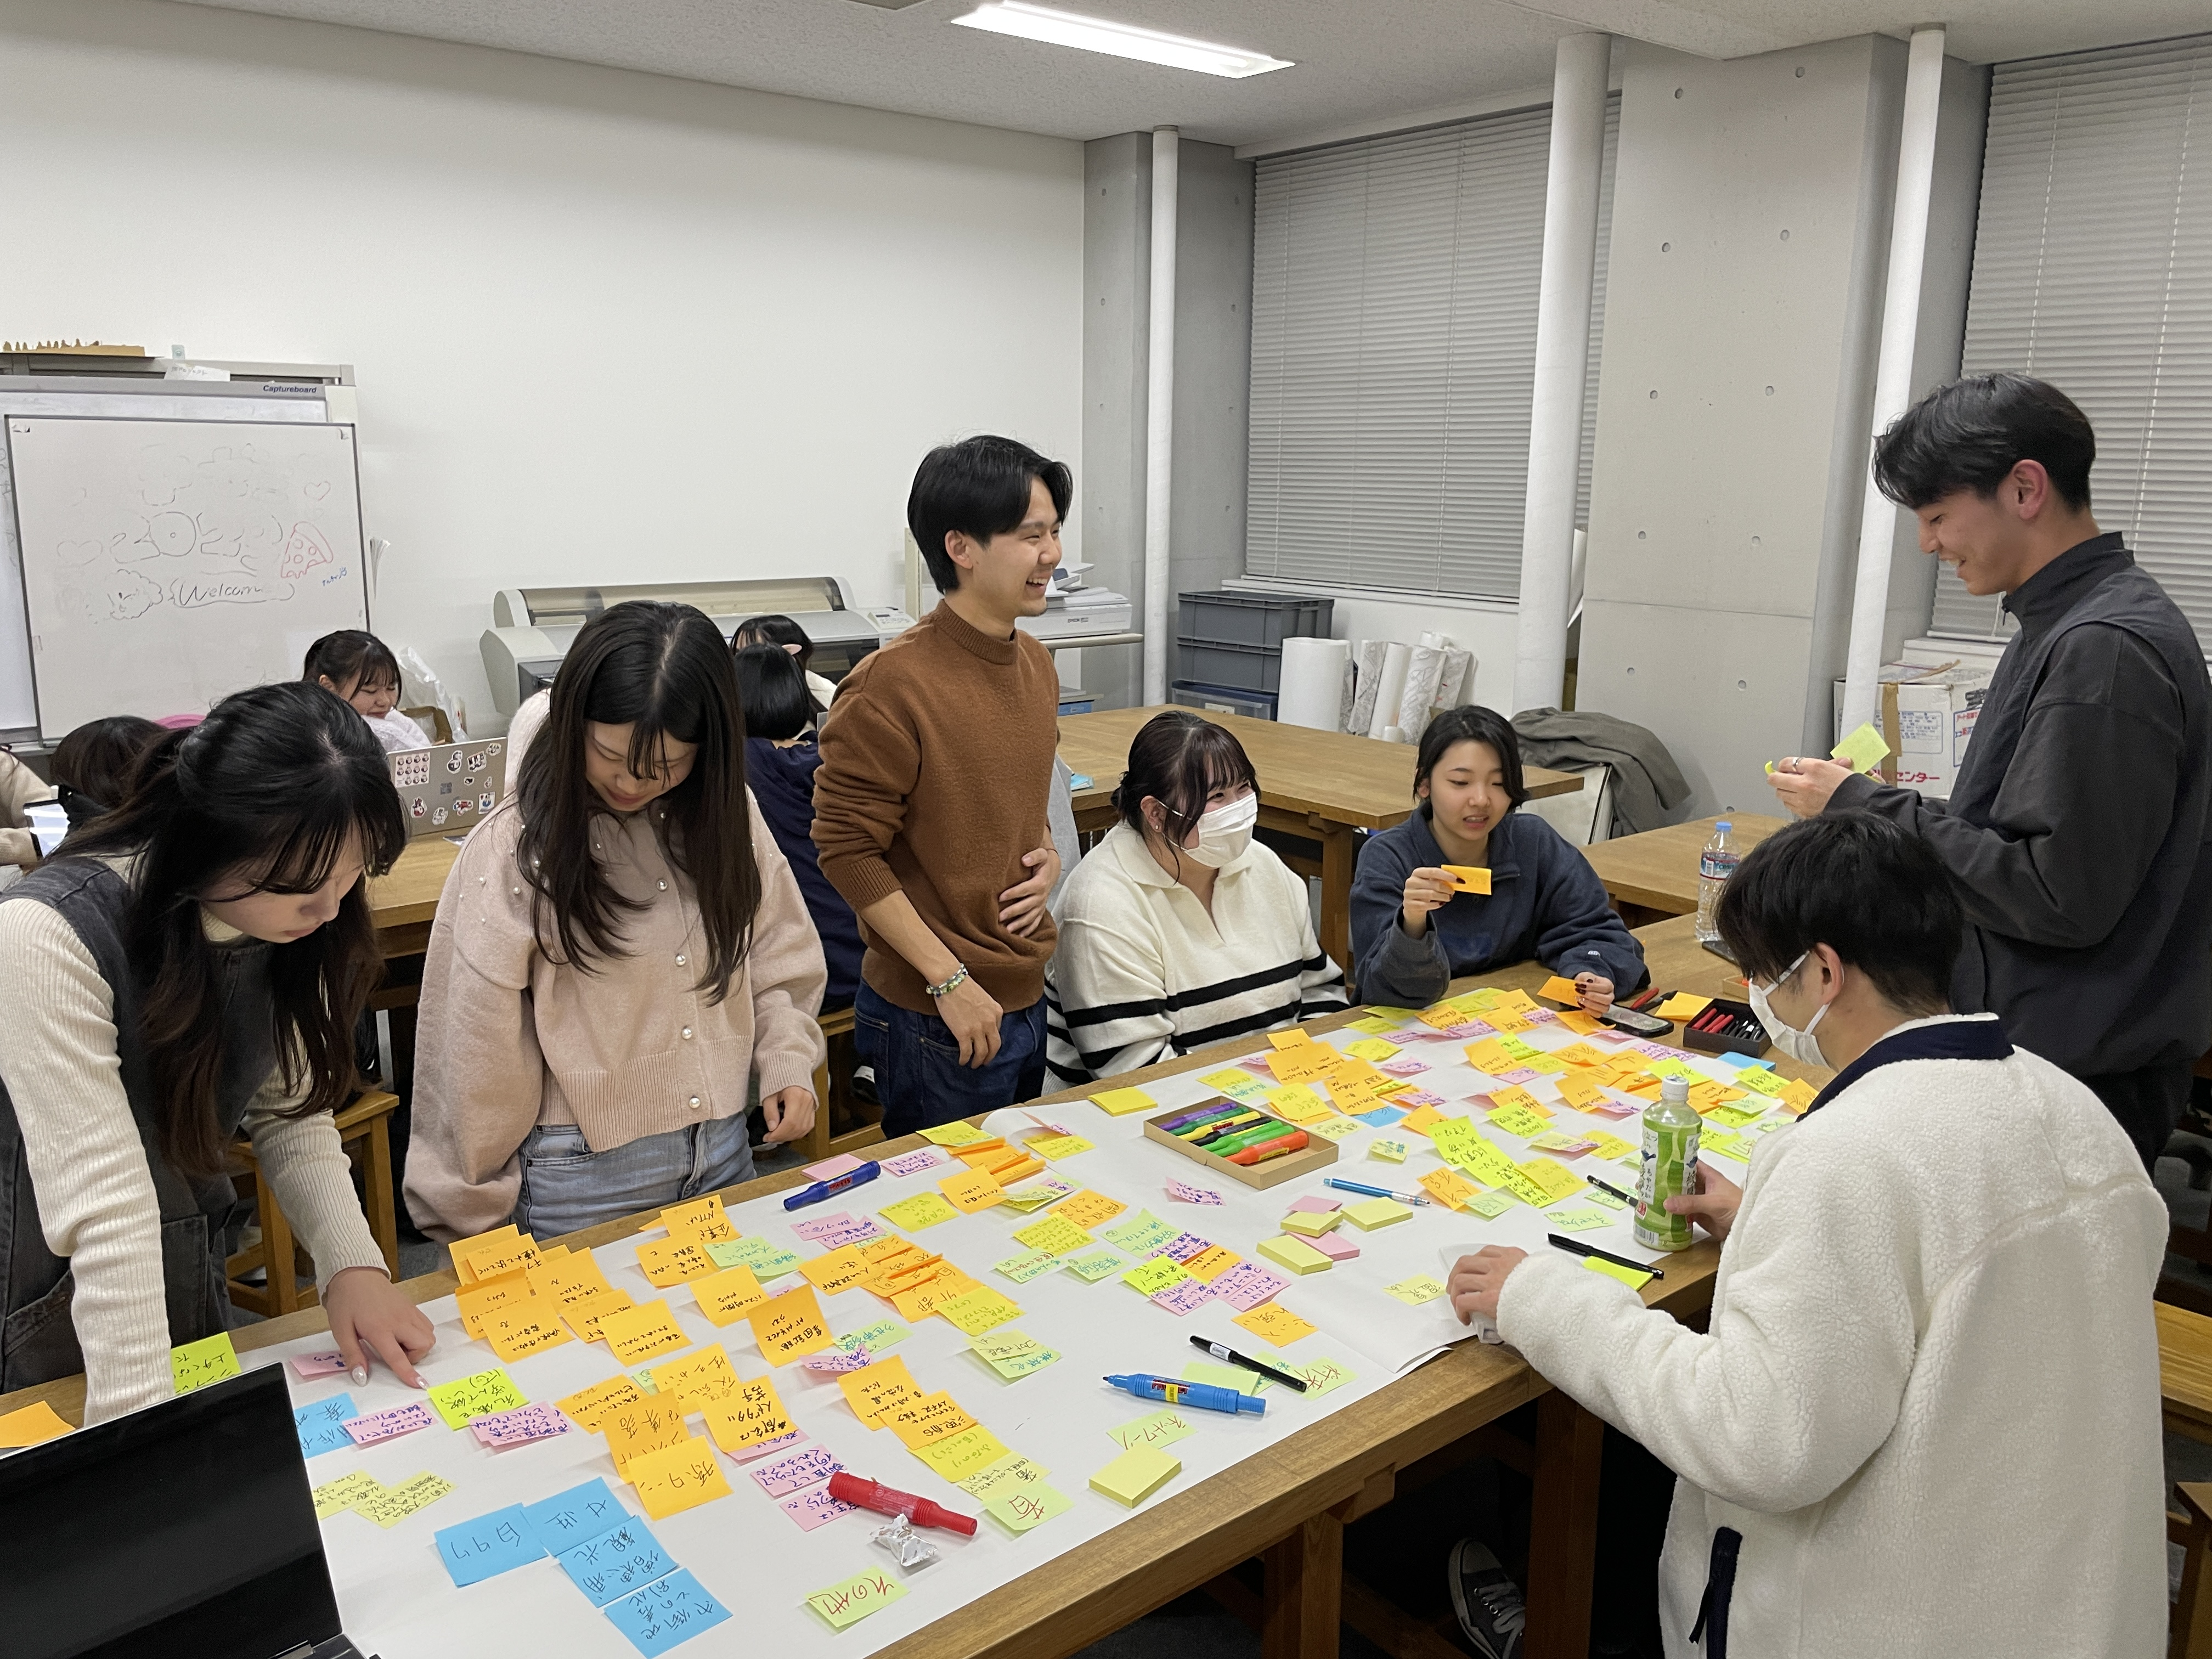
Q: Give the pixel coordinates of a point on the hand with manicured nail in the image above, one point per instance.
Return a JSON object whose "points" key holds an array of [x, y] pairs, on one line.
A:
{"points": [[371, 1318]]}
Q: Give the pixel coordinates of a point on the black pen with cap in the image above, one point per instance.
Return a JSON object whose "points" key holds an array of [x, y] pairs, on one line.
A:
{"points": [[1235, 1358]]}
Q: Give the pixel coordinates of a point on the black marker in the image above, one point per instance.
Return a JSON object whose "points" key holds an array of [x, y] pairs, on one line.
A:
{"points": [[1235, 1358], [1581, 1248]]}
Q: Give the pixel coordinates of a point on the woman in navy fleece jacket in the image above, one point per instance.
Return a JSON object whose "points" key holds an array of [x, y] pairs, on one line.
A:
{"points": [[1412, 930]]}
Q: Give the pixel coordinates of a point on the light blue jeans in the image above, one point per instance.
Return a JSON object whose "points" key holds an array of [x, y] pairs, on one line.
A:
{"points": [[566, 1185]]}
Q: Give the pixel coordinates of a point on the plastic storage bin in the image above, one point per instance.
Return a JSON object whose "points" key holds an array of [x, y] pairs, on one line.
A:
{"points": [[1223, 699], [1077, 702], [1260, 620], [1233, 668]]}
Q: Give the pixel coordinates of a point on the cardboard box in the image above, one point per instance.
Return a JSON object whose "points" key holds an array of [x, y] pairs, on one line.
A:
{"points": [[1927, 713], [1318, 1154]]}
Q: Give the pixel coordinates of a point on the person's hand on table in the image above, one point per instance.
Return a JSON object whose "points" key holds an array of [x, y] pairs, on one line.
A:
{"points": [[972, 1016], [1427, 890], [1805, 782], [1025, 903], [1596, 990], [372, 1317], [788, 1113], [1714, 1206], [1476, 1280]]}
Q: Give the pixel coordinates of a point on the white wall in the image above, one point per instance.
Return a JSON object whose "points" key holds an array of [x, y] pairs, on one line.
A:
{"points": [[607, 326]]}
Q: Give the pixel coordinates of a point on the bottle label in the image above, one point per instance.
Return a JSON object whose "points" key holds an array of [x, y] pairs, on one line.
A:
{"points": [[1717, 866], [1670, 1161]]}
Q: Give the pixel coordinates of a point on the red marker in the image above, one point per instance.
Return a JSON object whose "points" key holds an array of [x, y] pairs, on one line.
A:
{"points": [[854, 1489], [1280, 1146]]}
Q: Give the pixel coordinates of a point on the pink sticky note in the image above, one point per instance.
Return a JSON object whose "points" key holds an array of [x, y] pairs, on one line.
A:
{"points": [[814, 1509], [318, 1365], [1184, 1296], [1404, 1066], [809, 1466], [781, 1443], [1573, 1149], [914, 1163], [1258, 1064], [1334, 1246], [1518, 1075], [1416, 1097], [1542, 1017], [1611, 1107], [830, 1168], [388, 1425], [833, 1363], [1186, 1193], [1313, 1206], [835, 1231], [1247, 1284]]}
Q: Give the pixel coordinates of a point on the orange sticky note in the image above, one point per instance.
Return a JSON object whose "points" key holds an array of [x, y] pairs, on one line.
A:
{"points": [[789, 1326], [480, 1296], [1087, 1209], [1418, 1120], [678, 1477], [752, 1415], [567, 1279], [1289, 1039], [527, 1328], [33, 1425], [584, 1314], [1581, 1025], [840, 1270], [461, 1249], [1468, 877], [702, 1220], [588, 1405], [634, 1335], [1209, 1264], [1448, 1188], [500, 1256], [726, 1295], [1558, 989], [921, 1422], [1302, 1063], [1580, 1092], [667, 1261], [872, 1387], [632, 1430], [1273, 1323], [972, 1190], [697, 1381]]}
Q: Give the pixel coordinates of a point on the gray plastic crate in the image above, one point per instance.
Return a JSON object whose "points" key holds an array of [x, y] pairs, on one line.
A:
{"points": [[1223, 699], [1263, 620], [1232, 667]]}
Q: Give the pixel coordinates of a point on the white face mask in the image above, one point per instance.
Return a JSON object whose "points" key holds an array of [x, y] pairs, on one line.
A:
{"points": [[1226, 832], [1801, 1046]]}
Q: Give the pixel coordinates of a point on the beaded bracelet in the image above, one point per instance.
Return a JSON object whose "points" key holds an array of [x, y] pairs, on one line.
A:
{"points": [[958, 979]]}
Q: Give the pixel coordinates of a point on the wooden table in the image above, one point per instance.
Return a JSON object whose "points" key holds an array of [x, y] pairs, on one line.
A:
{"points": [[1321, 786], [1288, 1503], [404, 899], [1655, 875]]}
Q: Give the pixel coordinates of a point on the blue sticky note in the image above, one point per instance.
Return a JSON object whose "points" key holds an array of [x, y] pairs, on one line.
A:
{"points": [[1740, 1061], [663, 1614], [566, 1519], [1381, 1118], [321, 1425], [622, 1559], [488, 1545]]}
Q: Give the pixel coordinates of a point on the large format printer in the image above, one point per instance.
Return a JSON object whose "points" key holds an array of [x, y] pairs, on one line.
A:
{"points": [[533, 627]]}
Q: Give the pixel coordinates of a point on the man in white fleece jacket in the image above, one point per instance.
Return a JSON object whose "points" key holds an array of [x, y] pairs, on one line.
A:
{"points": [[1925, 1418]]}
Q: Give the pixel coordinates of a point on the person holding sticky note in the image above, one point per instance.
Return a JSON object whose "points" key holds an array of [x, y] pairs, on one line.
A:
{"points": [[1927, 1400], [1469, 883], [2079, 822]]}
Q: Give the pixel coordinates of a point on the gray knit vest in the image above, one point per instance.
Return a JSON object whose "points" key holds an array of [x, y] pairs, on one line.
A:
{"points": [[38, 1340]]}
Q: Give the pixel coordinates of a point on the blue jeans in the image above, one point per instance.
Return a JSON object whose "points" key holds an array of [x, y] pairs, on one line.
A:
{"points": [[919, 1076], [566, 1185]]}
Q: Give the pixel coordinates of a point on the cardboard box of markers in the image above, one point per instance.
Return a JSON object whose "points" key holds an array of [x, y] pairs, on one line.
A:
{"points": [[1245, 1143]]}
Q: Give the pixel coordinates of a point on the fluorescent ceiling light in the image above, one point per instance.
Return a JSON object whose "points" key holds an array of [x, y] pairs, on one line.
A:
{"points": [[1066, 28]]}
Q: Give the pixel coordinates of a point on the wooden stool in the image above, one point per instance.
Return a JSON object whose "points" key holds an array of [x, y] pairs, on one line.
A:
{"points": [[819, 1143], [364, 1130]]}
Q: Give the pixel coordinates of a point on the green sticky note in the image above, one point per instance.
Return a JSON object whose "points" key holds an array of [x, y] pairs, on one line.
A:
{"points": [[1489, 1206], [488, 1391], [1012, 1354], [1010, 1473], [1321, 1377], [851, 1599], [196, 1364], [1635, 1278], [874, 1338], [1598, 1195], [1387, 1151], [1141, 1232], [1161, 1428], [1150, 1277], [1023, 1269], [1025, 1507], [767, 1259], [1577, 1221], [1224, 1376], [1734, 1147], [1862, 750], [1094, 1266], [1732, 1117], [912, 1214]]}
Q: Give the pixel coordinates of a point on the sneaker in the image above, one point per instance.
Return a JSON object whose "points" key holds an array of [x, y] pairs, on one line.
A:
{"points": [[1488, 1601]]}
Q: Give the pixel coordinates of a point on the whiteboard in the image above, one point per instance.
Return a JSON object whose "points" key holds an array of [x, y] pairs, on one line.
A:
{"points": [[166, 563]]}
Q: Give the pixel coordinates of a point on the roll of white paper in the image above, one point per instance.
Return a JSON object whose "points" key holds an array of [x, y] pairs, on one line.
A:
{"points": [[1369, 677], [1313, 682], [1422, 671], [1390, 687]]}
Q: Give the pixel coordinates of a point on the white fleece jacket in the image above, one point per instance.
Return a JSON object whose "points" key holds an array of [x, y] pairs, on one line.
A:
{"points": [[1928, 1400]]}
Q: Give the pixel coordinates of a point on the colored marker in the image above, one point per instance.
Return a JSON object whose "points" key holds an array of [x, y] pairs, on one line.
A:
{"points": [[831, 1188], [1221, 1127], [1178, 1392], [1266, 1129], [1576, 1247], [886, 1500], [1421, 1198], [1235, 1358], [1296, 1142], [1198, 1115]]}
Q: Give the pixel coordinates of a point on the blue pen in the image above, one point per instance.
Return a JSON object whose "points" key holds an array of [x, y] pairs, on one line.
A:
{"points": [[831, 1189], [1176, 1392], [1374, 1192]]}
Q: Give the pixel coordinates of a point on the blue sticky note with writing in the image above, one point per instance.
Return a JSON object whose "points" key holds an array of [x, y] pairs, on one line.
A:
{"points": [[623, 1558], [662, 1614], [568, 1518], [321, 1425], [488, 1545], [1382, 1117]]}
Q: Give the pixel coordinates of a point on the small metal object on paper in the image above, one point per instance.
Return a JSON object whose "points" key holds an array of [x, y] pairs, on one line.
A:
{"points": [[908, 1547]]}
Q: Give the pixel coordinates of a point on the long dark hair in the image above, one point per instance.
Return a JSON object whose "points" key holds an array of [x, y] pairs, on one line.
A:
{"points": [[1471, 724], [93, 765], [663, 670], [1179, 758], [271, 789]]}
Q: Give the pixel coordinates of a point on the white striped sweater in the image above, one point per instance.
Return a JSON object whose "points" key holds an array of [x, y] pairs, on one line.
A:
{"points": [[1142, 973]]}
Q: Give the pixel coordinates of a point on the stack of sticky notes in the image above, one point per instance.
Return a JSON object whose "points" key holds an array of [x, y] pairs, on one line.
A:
{"points": [[1376, 1213], [1309, 1218], [1295, 1255], [1135, 1475]]}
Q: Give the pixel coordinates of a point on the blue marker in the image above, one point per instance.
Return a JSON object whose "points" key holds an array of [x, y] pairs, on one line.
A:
{"points": [[1375, 1192], [1175, 1392], [831, 1189]]}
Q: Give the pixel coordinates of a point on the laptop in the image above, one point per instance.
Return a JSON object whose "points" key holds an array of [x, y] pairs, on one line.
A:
{"points": [[445, 788], [184, 1528]]}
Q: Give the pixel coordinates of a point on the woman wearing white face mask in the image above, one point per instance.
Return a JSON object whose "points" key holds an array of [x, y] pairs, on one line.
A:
{"points": [[1179, 929]]}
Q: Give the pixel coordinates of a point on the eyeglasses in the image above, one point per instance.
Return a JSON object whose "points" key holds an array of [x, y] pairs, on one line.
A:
{"points": [[1775, 984]]}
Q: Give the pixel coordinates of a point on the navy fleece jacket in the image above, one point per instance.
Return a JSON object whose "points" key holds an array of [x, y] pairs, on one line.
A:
{"points": [[1545, 902]]}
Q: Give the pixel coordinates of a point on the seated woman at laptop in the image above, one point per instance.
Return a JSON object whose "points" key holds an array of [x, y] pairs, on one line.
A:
{"points": [[361, 668], [1415, 928], [621, 954], [189, 972]]}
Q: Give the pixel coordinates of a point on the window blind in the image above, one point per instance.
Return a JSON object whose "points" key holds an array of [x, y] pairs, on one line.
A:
{"points": [[1394, 351], [2092, 269]]}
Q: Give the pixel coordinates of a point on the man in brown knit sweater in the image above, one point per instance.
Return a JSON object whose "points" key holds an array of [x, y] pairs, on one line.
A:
{"points": [[929, 808]]}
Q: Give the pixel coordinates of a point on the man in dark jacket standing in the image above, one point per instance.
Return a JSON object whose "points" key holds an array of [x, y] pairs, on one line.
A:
{"points": [[2078, 826]]}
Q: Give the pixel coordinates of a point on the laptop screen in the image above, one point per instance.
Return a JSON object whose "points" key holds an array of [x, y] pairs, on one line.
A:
{"points": [[184, 1528]]}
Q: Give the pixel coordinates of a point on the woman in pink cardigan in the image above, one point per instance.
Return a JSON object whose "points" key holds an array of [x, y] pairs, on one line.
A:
{"points": [[621, 957]]}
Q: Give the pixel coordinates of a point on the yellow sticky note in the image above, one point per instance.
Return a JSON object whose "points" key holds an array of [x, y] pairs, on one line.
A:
{"points": [[1635, 1278], [1291, 1039], [1862, 750], [969, 1191], [1760, 1081], [1294, 1102], [838, 1270], [588, 1405], [1374, 1048], [932, 1417], [1294, 1255], [750, 1414], [1681, 1006], [851, 1599], [1333, 1129], [1376, 1213], [1387, 1151], [1151, 1277], [1136, 1474], [1086, 1209], [977, 1311], [874, 1390], [726, 1295], [634, 1335], [958, 1132], [1312, 1224], [1415, 1290], [465, 1399], [922, 1210], [789, 1326], [958, 1456], [33, 1425], [1119, 1103], [1553, 1179], [667, 1261], [678, 1477], [1056, 1147], [1468, 877], [1519, 1119], [1797, 1095], [196, 1364], [1558, 989], [1274, 1324]]}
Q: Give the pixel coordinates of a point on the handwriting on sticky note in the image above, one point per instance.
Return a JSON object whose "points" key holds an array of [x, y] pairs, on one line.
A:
{"points": [[588, 1406], [956, 1456], [877, 1388], [1449, 1187], [490, 1544], [667, 1611], [1275, 1324], [1149, 1278], [971, 1190], [725, 1296], [1468, 877], [667, 1261], [753, 1415], [677, 1478], [475, 1396], [321, 1425], [851, 1599], [1415, 1290], [1056, 1235], [789, 1326], [922, 1210], [634, 1335], [697, 1379], [196, 1364]]}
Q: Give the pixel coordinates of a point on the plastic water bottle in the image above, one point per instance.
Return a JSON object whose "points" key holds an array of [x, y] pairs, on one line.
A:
{"points": [[1715, 865], [1670, 1167]]}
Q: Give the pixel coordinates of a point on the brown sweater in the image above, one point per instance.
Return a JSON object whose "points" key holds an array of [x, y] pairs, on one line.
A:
{"points": [[936, 770]]}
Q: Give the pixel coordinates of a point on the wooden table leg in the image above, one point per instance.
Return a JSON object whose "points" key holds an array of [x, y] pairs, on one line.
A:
{"points": [[1563, 1532], [1302, 1604], [377, 1195], [277, 1253], [1339, 846]]}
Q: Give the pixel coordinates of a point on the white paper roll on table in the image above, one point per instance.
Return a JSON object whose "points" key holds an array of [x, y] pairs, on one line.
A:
{"points": [[1313, 682], [1390, 687]]}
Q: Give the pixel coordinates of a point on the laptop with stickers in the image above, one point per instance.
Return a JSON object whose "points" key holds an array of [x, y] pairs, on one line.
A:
{"points": [[445, 788]]}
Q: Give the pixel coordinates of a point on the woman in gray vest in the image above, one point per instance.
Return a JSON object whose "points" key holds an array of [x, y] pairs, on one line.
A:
{"points": [[189, 968]]}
